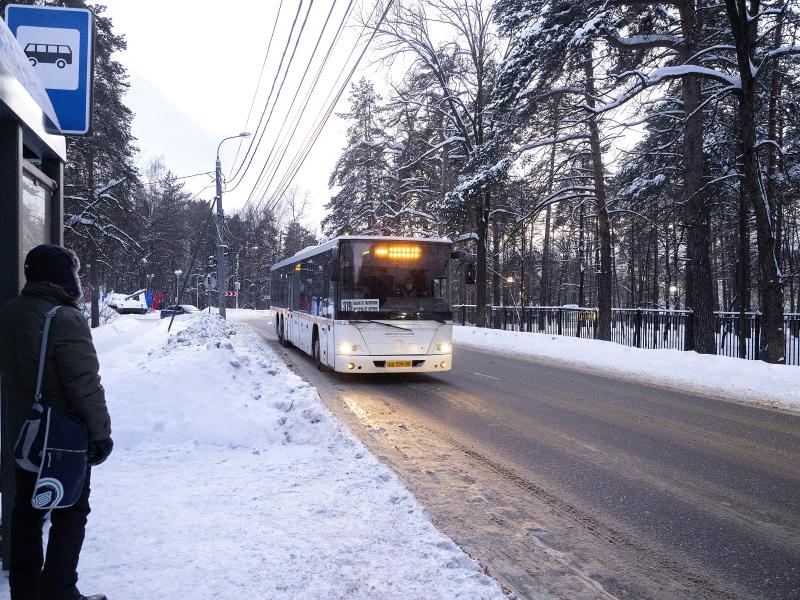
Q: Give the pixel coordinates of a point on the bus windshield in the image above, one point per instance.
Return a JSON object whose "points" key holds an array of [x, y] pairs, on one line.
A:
{"points": [[393, 280]]}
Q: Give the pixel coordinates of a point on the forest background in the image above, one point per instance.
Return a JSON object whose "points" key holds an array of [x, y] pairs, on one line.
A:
{"points": [[601, 153]]}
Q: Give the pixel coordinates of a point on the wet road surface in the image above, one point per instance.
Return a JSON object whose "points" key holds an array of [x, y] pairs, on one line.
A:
{"points": [[568, 484]]}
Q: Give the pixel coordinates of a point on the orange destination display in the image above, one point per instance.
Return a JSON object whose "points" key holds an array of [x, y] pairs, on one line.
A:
{"points": [[404, 252]]}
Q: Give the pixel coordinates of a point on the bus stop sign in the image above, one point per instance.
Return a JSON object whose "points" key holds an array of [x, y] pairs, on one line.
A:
{"points": [[59, 43]]}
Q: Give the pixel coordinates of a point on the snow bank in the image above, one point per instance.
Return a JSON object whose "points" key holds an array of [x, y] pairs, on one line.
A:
{"points": [[732, 378], [231, 480]]}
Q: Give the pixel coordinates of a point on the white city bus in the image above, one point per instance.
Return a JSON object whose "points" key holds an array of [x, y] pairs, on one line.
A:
{"points": [[362, 304]]}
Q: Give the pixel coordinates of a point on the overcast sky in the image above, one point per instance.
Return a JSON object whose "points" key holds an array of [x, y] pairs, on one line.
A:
{"points": [[194, 66]]}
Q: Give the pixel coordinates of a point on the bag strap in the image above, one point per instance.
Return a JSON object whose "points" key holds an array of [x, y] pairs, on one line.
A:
{"points": [[37, 397]]}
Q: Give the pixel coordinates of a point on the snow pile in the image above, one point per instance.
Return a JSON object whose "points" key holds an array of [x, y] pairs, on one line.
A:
{"points": [[230, 479], [200, 388], [732, 378]]}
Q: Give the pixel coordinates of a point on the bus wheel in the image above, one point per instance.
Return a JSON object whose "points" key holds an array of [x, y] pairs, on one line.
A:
{"points": [[281, 337], [317, 354], [33, 60], [61, 63]]}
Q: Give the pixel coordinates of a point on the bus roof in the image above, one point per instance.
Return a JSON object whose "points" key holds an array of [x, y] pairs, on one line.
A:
{"points": [[308, 252]]}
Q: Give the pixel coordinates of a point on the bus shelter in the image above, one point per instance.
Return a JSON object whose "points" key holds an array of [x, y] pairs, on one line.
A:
{"points": [[32, 156]]}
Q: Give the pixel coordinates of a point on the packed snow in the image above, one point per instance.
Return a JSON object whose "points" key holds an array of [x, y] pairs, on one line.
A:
{"points": [[732, 378], [230, 479]]}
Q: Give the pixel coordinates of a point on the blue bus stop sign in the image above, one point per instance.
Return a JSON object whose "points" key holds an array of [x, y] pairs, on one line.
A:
{"points": [[59, 43]]}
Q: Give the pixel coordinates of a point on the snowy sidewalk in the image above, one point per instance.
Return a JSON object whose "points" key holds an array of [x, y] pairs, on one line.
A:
{"points": [[731, 378], [230, 480]]}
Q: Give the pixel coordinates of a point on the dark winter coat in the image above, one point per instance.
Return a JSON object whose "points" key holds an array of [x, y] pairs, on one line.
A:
{"points": [[71, 381]]}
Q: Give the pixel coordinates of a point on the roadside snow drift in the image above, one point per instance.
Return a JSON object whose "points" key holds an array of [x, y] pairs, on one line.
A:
{"points": [[733, 378], [230, 480]]}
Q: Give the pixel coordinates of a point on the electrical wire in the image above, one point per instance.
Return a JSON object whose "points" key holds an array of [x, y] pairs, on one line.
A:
{"points": [[317, 122], [299, 87], [301, 156], [287, 139], [250, 151], [258, 86], [176, 178]]}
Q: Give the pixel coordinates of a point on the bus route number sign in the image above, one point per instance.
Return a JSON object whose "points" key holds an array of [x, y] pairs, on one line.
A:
{"points": [[361, 305]]}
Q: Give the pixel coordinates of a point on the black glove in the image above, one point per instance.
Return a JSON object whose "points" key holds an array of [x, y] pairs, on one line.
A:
{"points": [[99, 451]]}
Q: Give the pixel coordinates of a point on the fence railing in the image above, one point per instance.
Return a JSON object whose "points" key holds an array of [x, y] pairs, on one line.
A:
{"points": [[737, 335]]}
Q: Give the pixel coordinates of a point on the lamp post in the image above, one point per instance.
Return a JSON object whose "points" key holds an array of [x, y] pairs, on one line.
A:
{"points": [[178, 274], [222, 276]]}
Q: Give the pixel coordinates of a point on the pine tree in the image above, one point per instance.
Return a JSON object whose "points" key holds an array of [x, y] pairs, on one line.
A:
{"points": [[362, 172]]}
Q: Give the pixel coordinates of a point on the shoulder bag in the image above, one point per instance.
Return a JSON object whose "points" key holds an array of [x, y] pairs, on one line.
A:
{"points": [[53, 445]]}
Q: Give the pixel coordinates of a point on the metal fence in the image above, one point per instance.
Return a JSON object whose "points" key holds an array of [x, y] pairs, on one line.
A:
{"points": [[639, 327]]}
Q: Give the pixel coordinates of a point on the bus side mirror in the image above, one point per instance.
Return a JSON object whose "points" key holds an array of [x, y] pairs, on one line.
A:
{"points": [[469, 273], [336, 269]]}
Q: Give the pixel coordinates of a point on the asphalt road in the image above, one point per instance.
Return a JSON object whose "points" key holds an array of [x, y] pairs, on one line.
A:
{"points": [[567, 484]]}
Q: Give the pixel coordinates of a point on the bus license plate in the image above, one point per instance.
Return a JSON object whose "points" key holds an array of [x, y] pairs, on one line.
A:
{"points": [[398, 363]]}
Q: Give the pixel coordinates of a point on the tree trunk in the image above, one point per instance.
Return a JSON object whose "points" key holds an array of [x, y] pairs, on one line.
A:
{"points": [[776, 84], [604, 279], [743, 271], [772, 347], [496, 292], [480, 292], [581, 257], [699, 284], [544, 293], [93, 278]]}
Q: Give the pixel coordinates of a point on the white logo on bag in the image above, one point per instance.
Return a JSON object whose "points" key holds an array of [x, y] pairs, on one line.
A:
{"points": [[48, 492]]}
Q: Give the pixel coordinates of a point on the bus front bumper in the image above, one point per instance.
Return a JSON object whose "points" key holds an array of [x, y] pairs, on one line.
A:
{"points": [[425, 363]]}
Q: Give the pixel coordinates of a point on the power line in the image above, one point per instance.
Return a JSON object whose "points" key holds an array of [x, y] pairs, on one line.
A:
{"points": [[302, 155], [274, 81], [177, 178], [264, 188], [276, 143], [258, 85]]}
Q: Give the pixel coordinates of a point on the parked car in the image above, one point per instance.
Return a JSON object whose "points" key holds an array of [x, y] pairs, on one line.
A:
{"points": [[181, 309], [128, 304]]}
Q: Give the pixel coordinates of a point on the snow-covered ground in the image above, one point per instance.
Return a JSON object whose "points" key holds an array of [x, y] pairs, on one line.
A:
{"points": [[230, 480], [733, 378]]}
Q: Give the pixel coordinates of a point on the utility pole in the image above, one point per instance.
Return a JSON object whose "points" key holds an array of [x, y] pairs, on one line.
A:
{"points": [[222, 275]]}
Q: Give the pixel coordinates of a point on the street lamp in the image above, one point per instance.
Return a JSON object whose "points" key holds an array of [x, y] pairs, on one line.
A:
{"points": [[222, 276], [178, 274]]}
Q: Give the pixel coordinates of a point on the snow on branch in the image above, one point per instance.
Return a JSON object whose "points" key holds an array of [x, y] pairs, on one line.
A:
{"points": [[661, 75], [497, 170], [643, 42], [775, 54]]}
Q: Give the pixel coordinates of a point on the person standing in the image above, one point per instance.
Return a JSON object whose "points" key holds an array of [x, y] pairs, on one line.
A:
{"points": [[71, 384]]}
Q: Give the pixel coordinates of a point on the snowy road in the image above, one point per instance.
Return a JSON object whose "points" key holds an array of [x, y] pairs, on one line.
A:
{"points": [[587, 486]]}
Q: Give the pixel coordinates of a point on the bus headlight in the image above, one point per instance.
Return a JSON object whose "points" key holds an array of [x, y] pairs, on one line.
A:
{"points": [[444, 347], [348, 348]]}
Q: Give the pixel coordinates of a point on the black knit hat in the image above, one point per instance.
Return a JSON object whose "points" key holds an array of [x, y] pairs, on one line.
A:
{"points": [[55, 265]]}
